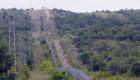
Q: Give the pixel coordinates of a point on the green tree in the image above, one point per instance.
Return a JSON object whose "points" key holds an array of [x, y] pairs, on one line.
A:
{"points": [[47, 67], [6, 60], [24, 75], [60, 76], [84, 57], [136, 68]]}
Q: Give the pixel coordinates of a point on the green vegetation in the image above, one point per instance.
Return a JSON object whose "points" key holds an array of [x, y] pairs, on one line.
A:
{"points": [[47, 68], [24, 75], [60, 76], [106, 41], [107, 76], [6, 62]]}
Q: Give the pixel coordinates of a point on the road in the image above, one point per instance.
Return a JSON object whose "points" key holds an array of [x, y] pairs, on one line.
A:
{"points": [[77, 74]]}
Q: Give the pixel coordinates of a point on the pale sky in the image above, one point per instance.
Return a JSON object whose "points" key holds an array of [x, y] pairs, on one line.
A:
{"points": [[73, 5]]}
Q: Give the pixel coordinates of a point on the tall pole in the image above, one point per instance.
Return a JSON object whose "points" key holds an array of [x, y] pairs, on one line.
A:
{"points": [[14, 44], [12, 38], [9, 35], [19, 52]]}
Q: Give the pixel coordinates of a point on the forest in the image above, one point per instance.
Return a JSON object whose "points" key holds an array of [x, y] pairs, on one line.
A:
{"points": [[107, 41]]}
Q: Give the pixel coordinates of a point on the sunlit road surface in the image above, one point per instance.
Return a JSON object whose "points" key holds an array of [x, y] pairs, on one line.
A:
{"points": [[77, 74]]}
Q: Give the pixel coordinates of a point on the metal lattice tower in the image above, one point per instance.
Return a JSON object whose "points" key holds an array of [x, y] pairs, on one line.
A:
{"points": [[22, 54], [12, 38], [19, 48]]}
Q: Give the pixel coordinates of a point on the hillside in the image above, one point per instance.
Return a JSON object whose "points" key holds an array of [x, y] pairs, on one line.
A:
{"points": [[63, 45], [106, 41]]}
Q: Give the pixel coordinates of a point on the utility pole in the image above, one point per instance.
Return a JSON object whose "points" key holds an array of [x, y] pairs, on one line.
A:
{"points": [[12, 44], [44, 18], [21, 48]]}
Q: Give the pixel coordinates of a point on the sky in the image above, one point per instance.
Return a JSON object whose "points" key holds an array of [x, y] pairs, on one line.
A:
{"points": [[73, 5]]}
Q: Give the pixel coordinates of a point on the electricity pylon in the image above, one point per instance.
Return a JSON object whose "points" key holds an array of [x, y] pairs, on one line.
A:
{"points": [[12, 37]]}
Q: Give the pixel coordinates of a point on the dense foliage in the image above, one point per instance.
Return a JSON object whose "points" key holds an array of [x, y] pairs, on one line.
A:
{"points": [[6, 61], [106, 41], [48, 68]]}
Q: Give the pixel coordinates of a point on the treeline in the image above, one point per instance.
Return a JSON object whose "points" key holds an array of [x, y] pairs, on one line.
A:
{"points": [[106, 41]]}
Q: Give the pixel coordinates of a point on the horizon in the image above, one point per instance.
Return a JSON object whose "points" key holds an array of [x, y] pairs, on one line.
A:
{"points": [[71, 11], [74, 6]]}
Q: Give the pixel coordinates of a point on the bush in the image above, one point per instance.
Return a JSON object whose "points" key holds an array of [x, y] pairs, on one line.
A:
{"points": [[47, 67], [6, 60], [60, 76], [84, 57], [136, 68], [24, 75]]}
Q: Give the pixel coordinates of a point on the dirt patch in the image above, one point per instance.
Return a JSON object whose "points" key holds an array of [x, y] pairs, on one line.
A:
{"points": [[37, 75]]}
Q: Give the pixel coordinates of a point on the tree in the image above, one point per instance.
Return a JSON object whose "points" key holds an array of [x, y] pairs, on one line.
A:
{"points": [[47, 67], [84, 57], [136, 68], [6, 60], [117, 67], [60, 76], [96, 63]]}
